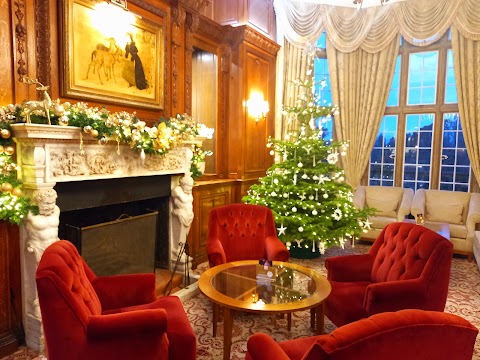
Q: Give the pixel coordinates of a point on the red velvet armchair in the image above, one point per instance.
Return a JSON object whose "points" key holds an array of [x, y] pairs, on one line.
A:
{"points": [[406, 334], [109, 317], [243, 232], [407, 267]]}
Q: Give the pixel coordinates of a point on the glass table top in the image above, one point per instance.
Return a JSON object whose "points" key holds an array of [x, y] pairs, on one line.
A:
{"points": [[256, 283]]}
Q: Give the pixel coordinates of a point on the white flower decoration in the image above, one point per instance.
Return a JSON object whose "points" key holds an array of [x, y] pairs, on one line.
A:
{"points": [[332, 158], [337, 214]]}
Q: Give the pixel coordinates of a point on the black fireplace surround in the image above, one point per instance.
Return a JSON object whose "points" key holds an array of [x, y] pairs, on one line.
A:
{"points": [[93, 202]]}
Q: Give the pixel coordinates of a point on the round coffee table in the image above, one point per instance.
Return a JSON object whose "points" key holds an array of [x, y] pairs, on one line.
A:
{"points": [[247, 286]]}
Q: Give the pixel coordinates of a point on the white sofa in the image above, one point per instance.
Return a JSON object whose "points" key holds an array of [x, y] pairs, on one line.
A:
{"points": [[392, 204], [460, 210]]}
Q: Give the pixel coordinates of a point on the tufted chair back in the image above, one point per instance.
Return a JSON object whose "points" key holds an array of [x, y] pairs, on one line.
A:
{"points": [[407, 267], [403, 251], [243, 232], [64, 277]]}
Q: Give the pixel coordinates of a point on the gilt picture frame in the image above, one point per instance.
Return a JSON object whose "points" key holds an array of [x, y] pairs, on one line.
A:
{"points": [[124, 65]]}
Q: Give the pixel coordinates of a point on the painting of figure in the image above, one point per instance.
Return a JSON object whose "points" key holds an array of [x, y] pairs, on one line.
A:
{"points": [[119, 63]]}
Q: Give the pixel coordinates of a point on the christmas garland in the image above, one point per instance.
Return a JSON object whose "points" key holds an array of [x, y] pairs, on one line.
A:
{"points": [[100, 124]]}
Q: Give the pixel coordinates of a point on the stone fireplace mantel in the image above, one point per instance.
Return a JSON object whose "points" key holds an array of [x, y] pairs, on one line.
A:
{"points": [[49, 154]]}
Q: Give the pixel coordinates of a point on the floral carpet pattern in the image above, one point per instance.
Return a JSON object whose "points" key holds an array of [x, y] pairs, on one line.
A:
{"points": [[463, 300]]}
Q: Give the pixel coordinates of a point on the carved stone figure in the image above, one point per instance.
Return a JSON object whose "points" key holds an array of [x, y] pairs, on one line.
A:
{"points": [[182, 211], [39, 231], [183, 201]]}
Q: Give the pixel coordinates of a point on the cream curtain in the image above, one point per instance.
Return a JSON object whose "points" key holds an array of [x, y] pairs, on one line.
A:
{"points": [[296, 66], [361, 91], [466, 53]]}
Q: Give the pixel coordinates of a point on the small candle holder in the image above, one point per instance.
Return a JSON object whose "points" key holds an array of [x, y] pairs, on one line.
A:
{"points": [[420, 219]]}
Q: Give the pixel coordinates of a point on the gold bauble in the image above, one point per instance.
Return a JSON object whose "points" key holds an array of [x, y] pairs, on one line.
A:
{"points": [[103, 140], [2, 149], [7, 187], [63, 121], [58, 110], [5, 133], [16, 192], [87, 129], [94, 133], [9, 150]]}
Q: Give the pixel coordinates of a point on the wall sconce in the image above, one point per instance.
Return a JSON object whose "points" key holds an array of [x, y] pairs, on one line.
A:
{"points": [[257, 106]]}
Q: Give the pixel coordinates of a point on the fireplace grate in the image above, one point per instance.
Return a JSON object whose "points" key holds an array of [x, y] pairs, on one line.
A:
{"points": [[123, 246]]}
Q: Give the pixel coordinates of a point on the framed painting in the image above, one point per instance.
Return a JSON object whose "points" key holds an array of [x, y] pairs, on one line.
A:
{"points": [[112, 57]]}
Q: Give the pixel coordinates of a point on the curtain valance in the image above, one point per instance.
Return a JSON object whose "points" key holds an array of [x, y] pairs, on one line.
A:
{"points": [[420, 22]]}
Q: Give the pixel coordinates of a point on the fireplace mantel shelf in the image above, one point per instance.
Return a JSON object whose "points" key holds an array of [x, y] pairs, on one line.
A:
{"points": [[52, 153]]}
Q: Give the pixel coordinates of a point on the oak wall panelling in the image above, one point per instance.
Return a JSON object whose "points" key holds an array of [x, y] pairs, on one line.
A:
{"points": [[207, 195], [209, 43], [10, 293], [252, 69], [259, 14]]}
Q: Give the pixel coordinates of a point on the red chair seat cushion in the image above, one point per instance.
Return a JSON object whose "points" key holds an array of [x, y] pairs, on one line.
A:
{"points": [[345, 302], [181, 338]]}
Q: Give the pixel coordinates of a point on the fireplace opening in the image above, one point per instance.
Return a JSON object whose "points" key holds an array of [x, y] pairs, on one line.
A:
{"points": [[117, 225]]}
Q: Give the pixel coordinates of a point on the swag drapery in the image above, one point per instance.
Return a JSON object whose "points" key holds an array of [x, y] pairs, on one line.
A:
{"points": [[359, 42]]}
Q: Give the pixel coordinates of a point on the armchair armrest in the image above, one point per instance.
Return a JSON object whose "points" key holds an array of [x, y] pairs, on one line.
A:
{"points": [[127, 324], [349, 268], [275, 249], [394, 295], [262, 347], [406, 204], [473, 217], [418, 203], [359, 197], [125, 290], [216, 254]]}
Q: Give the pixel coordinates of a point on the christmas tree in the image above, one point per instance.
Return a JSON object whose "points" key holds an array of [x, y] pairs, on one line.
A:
{"points": [[306, 188]]}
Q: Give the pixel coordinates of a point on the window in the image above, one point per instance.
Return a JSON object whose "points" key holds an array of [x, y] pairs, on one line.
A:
{"points": [[420, 143], [422, 78], [455, 168], [322, 87], [383, 154]]}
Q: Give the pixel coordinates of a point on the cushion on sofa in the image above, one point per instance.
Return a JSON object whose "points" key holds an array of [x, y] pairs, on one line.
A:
{"points": [[437, 213], [386, 202], [448, 207], [379, 222]]}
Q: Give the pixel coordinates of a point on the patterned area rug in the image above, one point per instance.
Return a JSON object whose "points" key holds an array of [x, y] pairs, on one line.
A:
{"points": [[463, 300]]}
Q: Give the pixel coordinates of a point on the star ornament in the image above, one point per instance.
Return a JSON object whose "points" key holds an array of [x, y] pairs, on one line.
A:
{"points": [[281, 230], [367, 224]]}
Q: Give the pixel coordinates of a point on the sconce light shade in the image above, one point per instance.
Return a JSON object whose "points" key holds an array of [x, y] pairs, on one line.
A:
{"points": [[257, 106], [121, 3]]}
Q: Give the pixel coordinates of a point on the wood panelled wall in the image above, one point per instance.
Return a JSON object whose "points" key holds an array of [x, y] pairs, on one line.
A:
{"points": [[246, 54]]}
